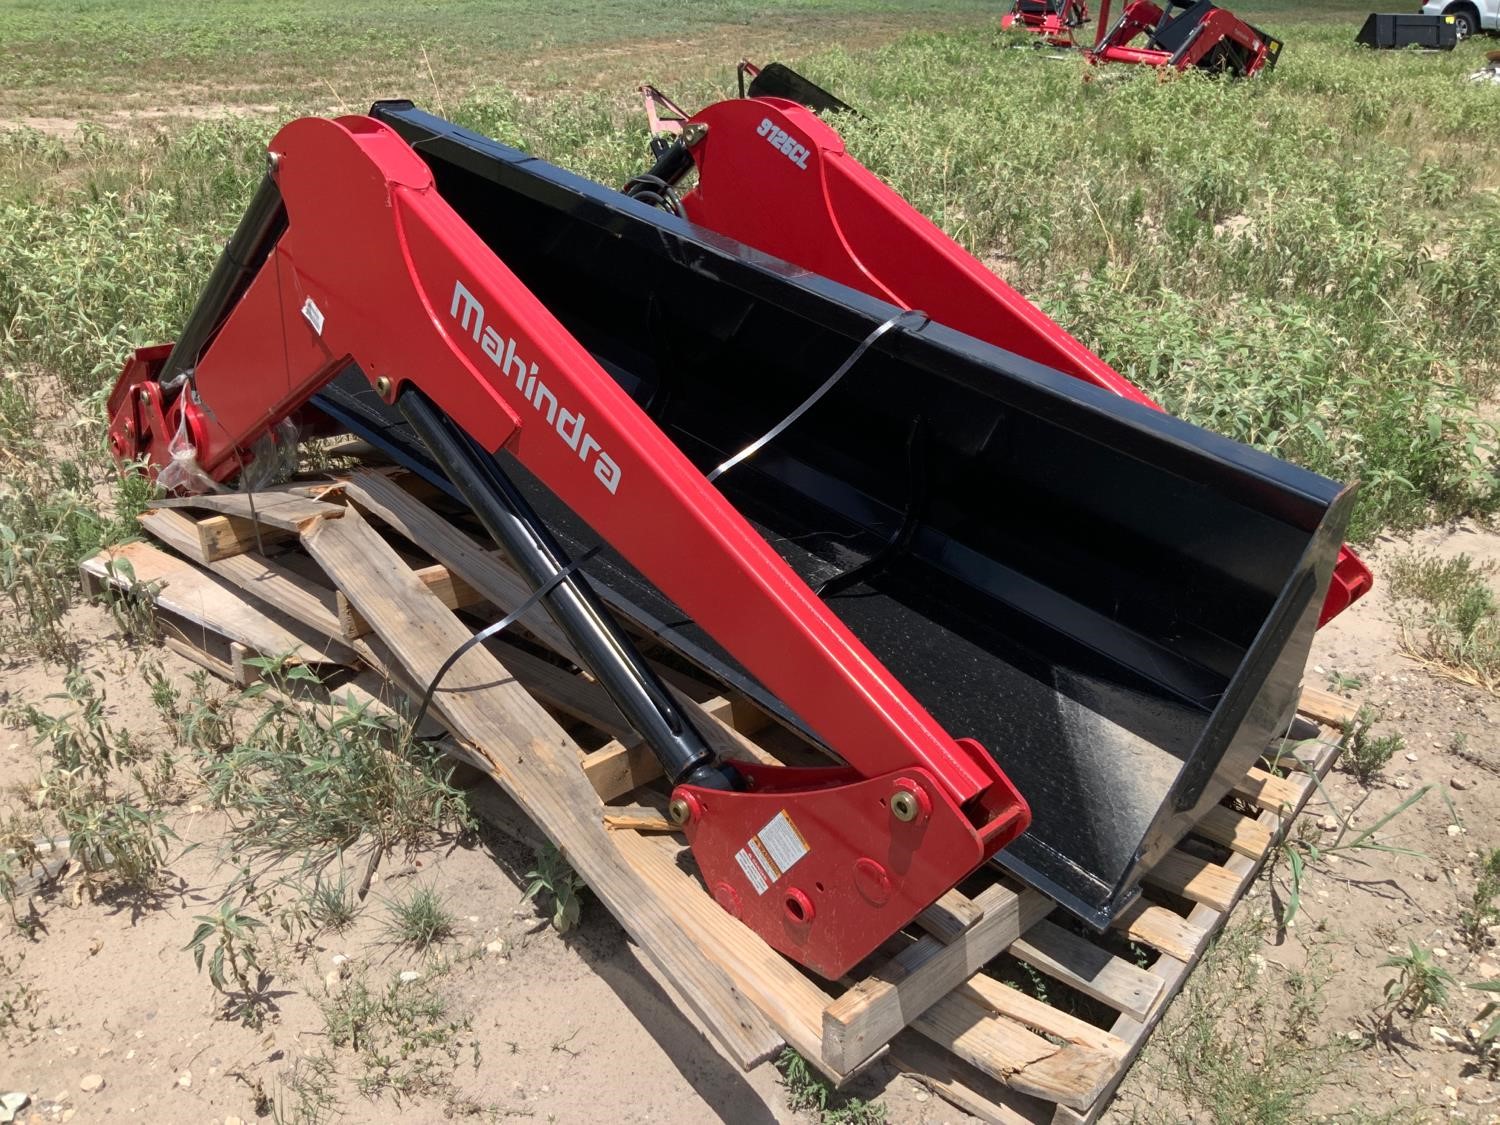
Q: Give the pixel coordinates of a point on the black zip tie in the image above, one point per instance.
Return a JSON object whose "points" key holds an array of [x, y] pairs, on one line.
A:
{"points": [[812, 400], [498, 627]]}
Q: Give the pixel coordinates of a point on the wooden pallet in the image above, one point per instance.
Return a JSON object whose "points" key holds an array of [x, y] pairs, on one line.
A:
{"points": [[360, 575]]}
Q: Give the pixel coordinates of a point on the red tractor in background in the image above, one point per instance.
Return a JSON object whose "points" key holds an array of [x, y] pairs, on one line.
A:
{"points": [[1054, 20], [1177, 35]]}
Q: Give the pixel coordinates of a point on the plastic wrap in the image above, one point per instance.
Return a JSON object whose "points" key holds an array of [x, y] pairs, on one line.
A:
{"points": [[183, 474], [273, 457]]}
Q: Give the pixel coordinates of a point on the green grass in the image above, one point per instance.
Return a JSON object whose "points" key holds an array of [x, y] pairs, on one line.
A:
{"points": [[100, 55], [1300, 262], [1450, 614]]}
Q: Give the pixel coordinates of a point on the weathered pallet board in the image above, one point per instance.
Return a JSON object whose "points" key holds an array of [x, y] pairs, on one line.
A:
{"points": [[933, 1001], [199, 597]]}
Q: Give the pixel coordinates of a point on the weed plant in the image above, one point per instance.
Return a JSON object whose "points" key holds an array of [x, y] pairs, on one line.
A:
{"points": [[1450, 614], [1488, 1039], [1420, 984], [1366, 756], [420, 920], [312, 782], [230, 933], [1483, 908], [116, 840], [406, 1037], [808, 1092], [556, 877]]}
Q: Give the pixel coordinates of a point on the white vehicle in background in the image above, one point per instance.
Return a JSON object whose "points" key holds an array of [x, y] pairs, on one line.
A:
{"points": [[1470, 17]]}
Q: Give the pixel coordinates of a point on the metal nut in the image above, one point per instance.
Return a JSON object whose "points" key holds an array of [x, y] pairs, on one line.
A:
{"points": [[383, 387], [679, 811], [904, 805]]}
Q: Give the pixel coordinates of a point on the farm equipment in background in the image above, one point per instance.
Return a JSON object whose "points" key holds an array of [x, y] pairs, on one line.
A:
{"points": [[1398, 30], [1200, 34], [1054, 20], [774, 175], [994, 584]]}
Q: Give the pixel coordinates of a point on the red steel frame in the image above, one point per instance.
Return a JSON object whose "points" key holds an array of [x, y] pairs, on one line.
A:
{"points": [[375, 267], [814, 205], [1055, 26], [1112, 44]]}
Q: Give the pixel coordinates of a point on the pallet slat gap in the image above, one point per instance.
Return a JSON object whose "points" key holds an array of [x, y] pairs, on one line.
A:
{"points": [[1082, 965]]}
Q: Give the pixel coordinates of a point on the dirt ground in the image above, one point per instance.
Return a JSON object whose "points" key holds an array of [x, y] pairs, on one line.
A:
{"points": [[555, 1027], [1362, 907]]}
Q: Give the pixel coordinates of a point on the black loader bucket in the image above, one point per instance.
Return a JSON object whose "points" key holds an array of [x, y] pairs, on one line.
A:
{"points": [[1118, 605]]}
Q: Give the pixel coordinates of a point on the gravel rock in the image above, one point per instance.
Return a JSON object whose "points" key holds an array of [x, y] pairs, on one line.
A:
{"points": [[91, 1083], [1458, 783]]}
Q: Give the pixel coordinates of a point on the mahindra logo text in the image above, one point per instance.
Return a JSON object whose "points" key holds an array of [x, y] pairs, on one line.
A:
{"points": [[571, 427], [784, 143]]}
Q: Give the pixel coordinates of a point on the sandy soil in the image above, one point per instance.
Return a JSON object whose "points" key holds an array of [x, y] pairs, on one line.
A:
{"points": [[563, 1026]]}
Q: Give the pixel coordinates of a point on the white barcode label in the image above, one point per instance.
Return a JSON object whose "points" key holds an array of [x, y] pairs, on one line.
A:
{"points": [[752, 871], [314, 315]]}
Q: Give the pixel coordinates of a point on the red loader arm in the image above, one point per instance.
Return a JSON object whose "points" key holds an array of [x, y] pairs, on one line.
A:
{"points": [[774, 175], [374, 267]]}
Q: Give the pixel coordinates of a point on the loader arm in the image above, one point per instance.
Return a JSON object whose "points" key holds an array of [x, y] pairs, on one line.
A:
{"points": [[366, 264]]}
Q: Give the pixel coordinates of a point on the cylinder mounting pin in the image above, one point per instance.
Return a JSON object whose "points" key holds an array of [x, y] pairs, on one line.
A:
{"points": [[904, 805]]}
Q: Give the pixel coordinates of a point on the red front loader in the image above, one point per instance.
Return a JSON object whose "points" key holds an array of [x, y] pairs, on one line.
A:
{"points": [[1029, 617]]}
